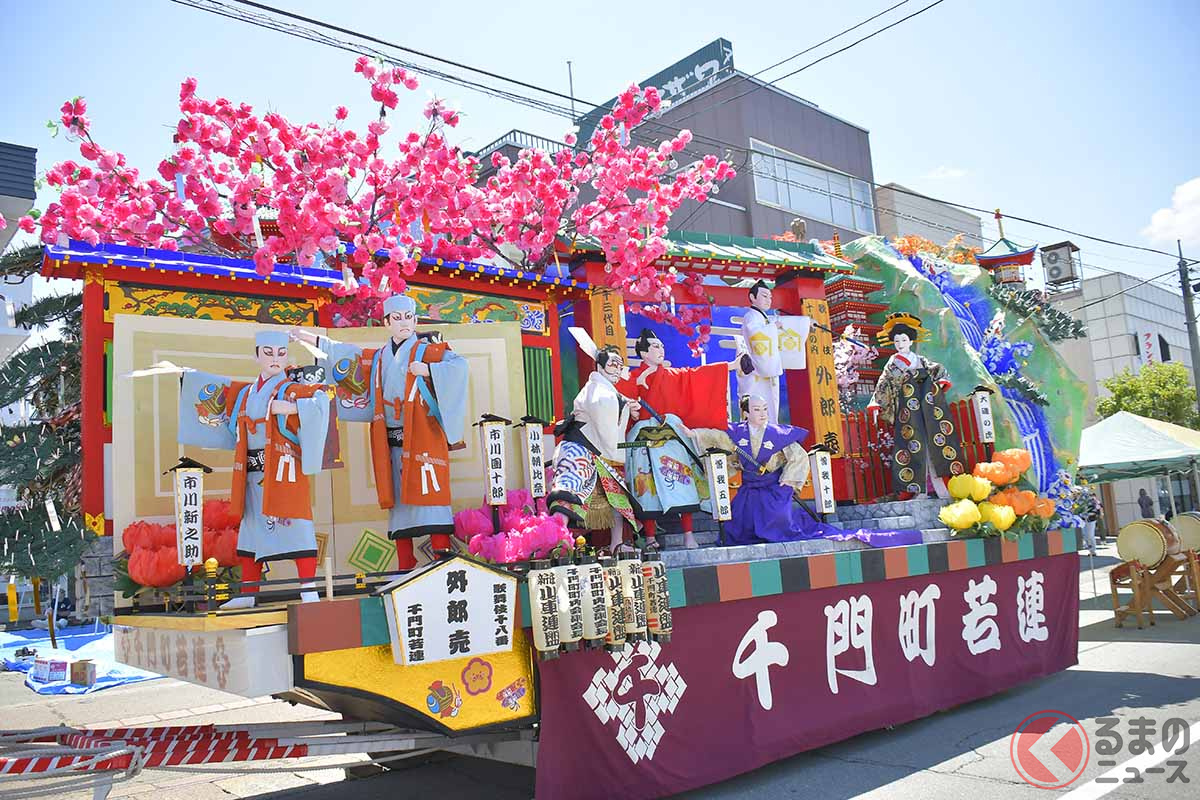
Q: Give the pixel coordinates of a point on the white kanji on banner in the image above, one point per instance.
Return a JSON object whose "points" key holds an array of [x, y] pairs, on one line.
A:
{"points": [[1031, 603], [636, 695], [912, 621], [980, 631]]}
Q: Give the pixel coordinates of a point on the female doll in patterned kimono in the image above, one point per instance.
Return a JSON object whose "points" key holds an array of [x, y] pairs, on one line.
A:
{"points": [[911, 397]]}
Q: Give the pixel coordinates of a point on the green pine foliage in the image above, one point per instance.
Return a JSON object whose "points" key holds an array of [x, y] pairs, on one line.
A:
{"points": [[42, 457], [1032, 304]]}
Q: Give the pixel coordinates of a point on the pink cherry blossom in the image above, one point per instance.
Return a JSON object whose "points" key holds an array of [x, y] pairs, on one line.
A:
{"points": [[382, 208]]}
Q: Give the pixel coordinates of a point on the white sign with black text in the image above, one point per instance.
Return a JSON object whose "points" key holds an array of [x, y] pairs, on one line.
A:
{"points": [[451, 610], [189, 517]]}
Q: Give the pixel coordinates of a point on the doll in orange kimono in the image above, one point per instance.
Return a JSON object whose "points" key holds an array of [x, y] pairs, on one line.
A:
{"points": [[277, 429]]}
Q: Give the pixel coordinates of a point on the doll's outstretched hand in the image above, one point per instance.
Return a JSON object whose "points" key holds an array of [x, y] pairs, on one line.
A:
{"points": [[300, 335], [419, 368]]}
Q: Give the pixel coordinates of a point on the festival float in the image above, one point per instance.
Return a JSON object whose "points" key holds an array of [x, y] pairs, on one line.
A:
{"points": [[526, 489]]}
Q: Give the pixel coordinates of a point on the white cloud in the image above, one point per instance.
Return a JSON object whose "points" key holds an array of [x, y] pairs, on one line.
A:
{"points": [[1180, 221], [944, 172]]}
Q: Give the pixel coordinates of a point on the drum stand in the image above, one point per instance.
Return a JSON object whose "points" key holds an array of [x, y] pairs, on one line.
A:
{"points": [[1133, 576], [1188, 586], [1164, 581]]}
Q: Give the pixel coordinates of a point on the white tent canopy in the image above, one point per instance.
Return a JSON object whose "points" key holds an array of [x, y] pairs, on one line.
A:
{"points": [[1128, 446]]}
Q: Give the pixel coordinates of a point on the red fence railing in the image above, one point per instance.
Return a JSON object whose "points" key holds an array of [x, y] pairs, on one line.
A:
{"points": [[866, 452]]}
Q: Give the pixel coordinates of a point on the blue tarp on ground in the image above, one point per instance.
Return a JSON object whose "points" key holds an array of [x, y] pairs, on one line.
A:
{"points": [[91, 642]]}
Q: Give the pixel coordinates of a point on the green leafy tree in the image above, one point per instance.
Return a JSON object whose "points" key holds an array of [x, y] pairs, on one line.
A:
{"points": [[1159, 391], [41, 457]]}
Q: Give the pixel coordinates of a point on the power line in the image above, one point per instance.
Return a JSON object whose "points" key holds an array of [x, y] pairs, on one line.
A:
{"points": [[550, 108], [855, 43], [802, 52]]}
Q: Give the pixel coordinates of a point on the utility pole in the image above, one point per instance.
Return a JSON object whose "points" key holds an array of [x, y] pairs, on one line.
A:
{"points": [[1189, 312], [571, 85]]}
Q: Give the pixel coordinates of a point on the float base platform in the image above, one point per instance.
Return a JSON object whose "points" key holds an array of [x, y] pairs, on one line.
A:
{"points": [[771, 655]]}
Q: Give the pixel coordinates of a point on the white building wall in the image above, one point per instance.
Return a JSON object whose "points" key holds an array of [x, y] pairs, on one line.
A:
{"points": [[1113, 323], [903, 214]]}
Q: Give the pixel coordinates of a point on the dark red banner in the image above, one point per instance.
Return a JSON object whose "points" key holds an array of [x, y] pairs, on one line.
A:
{"points": [[749, 682]]}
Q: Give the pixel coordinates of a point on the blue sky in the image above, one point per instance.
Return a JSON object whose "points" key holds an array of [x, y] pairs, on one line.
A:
{"points": [[1076, 113]]}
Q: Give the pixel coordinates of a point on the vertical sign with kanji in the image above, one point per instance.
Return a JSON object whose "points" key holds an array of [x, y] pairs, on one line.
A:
{"points": [[608, 318], [495, 461], [189, 524], [535, 458], [822, 379], [822, 478], [987, 425], [718, 485]]}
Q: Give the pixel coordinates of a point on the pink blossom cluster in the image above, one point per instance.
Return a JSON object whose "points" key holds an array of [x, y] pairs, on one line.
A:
{"points": [[534, 537], [848, 358], [526, 530], [239, 182]]}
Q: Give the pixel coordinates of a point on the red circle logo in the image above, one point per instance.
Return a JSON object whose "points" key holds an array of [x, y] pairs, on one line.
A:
{"points": [[1047, 755]]}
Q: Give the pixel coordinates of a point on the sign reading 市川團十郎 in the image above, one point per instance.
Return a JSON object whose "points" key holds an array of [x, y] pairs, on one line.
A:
{"points": [[449, 610], [686, 78]]}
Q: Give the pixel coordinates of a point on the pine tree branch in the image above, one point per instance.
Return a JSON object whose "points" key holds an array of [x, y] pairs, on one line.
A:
{"points": [[40, 373], [66, 308], [22, 261]]}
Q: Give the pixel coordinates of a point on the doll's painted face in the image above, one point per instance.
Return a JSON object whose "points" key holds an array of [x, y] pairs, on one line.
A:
{"points": [[401, 324], [271, 360], [757, 412], [902, 343], [613, 367], [761, 299], [655, 354]]}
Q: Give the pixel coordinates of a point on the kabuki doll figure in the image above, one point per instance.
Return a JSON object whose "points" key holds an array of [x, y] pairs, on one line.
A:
{"points": [[762, 363], [665, 477], [774, 466], [413, 393], [277, 429], [588, 489], [910, 396]]}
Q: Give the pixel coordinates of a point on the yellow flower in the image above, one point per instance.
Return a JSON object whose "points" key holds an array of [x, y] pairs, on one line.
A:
{"points": [[1001, 516], [981, 489], [963, 487], [960, 515], [960, 486]]}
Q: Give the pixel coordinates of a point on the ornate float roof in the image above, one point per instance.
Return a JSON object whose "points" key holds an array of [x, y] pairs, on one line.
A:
{"points": [[65, 261], [733, 256], [1005, 253]]}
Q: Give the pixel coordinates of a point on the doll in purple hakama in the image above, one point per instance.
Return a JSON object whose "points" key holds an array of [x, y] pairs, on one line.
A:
{"points": [[774, 467]]}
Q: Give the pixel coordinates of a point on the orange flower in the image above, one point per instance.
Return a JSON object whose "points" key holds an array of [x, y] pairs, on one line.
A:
{"points": [[1044, 507], [1017, 460], [995, 471], [1021, 501]]}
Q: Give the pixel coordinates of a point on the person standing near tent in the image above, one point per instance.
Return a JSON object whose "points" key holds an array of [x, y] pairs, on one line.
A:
{"points": [[1164, 501], [1145, 504], [1088, 508]]}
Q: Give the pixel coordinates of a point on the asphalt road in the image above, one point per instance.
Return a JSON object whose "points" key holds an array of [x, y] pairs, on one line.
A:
{"points": [[964, 752]]}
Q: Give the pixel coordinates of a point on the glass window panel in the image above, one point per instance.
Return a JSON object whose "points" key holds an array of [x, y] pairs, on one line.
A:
{"points": [[839, 200], [864, 213], [766, 189], [808, 191]]}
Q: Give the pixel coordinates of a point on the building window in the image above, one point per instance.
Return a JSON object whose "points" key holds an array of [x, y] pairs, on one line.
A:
{"points": [[1164, 349], [810, 190]]}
